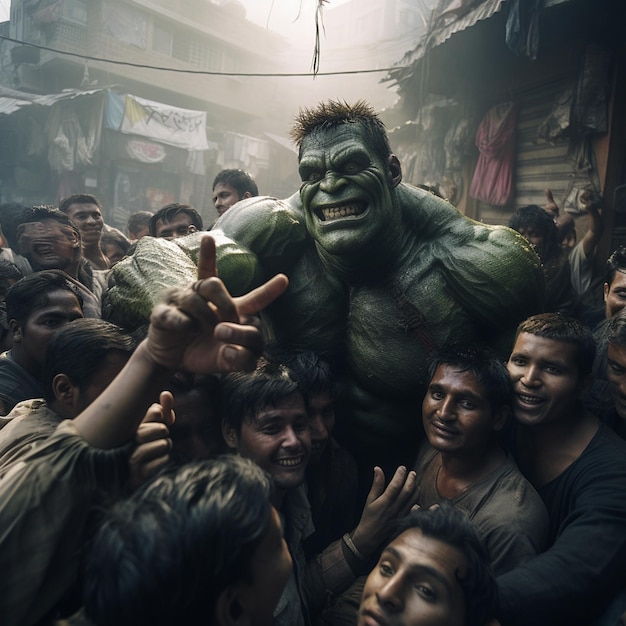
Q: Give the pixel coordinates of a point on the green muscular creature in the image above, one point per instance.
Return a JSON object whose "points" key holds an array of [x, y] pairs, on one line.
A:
{"points": [[381, 274]]}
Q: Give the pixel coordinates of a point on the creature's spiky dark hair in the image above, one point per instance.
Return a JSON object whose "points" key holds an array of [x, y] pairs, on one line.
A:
{"points": [[333, 113]]}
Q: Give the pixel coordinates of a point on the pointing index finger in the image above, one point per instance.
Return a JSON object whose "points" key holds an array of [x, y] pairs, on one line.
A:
{"points": [[257, 299], [207, 264]]}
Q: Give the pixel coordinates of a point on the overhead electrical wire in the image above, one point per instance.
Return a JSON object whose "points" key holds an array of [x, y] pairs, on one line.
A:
{"points": [[200, 72]]}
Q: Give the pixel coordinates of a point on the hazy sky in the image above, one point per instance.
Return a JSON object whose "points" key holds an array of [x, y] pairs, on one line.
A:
{"points": [[284, 16], [294, 19]]}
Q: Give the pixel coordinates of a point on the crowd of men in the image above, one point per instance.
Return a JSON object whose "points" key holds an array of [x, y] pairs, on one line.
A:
{"points": [[403, 417]]}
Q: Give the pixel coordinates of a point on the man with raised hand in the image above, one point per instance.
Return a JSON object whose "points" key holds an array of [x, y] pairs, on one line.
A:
{"points": [[200, 328]]}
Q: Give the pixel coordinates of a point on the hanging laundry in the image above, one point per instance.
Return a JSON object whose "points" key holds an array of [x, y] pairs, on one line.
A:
{"points": [[495, 139]]}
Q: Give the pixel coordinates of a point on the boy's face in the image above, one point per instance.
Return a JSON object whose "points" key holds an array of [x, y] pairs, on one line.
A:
{"points": [[277, 439], [545, 377], [415, 583]]}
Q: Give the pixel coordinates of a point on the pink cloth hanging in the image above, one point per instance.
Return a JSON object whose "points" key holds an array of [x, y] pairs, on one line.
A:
{"points": [[495, 139]]}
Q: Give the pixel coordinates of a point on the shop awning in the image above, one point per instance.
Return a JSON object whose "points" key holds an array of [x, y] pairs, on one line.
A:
{"points": [[448, 18], [12, 100]]}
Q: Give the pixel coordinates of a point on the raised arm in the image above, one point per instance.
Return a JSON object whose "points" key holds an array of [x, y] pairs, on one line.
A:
{"points": [[200, 328], [591, 202]]}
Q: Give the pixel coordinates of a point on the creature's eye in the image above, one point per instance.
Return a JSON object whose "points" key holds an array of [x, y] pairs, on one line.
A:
{"points": [[351, 168], [311, 175]]}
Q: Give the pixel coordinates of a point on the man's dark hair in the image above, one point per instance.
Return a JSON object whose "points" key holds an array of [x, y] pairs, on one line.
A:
{"points": [[166, 554], [616, 329], [9, 274], [312, 370], [239, 180], [483, 363], [615, 263], [566, 329], [447, 524], [334, 113], [39, 213], [10, 218], [138, 220], [78, 198], [535, 218], [32, 292], [245, 394], [167, 213], [79, 350]]}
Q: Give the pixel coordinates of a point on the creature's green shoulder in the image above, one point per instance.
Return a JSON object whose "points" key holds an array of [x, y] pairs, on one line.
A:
{"points": [[268, 227], [492, 270]]}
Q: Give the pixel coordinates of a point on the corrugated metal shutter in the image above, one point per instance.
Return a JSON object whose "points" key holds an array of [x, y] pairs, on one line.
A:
{"points": [[539, 165]]}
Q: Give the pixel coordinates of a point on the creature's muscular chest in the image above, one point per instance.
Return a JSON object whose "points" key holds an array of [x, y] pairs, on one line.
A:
{"points": [[394, 326], [384, 329]]}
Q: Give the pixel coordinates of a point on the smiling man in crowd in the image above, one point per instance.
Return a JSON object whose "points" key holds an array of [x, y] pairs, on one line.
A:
{"points": [[578, 466], [467, 403], [265, 419], [85, 212]]}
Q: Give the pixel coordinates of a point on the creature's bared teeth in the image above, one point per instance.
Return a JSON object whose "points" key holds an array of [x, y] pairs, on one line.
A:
{"points": [[346, 210]]}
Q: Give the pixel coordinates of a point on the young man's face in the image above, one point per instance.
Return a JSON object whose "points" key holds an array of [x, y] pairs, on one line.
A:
{"points": [[179, 226], [415, 583], [224, 196], [456, 412], [615, 295], [31, 337], [88, 219], [616, 375], [545, 377], [278, 440], [322, 416], [270, 569]]}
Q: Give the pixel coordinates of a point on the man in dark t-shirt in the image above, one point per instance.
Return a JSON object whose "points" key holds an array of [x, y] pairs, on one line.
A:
{"points": [[578, 466]]}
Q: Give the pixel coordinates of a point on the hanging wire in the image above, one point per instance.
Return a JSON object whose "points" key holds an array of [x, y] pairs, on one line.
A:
{"points": [[319, 20]]}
